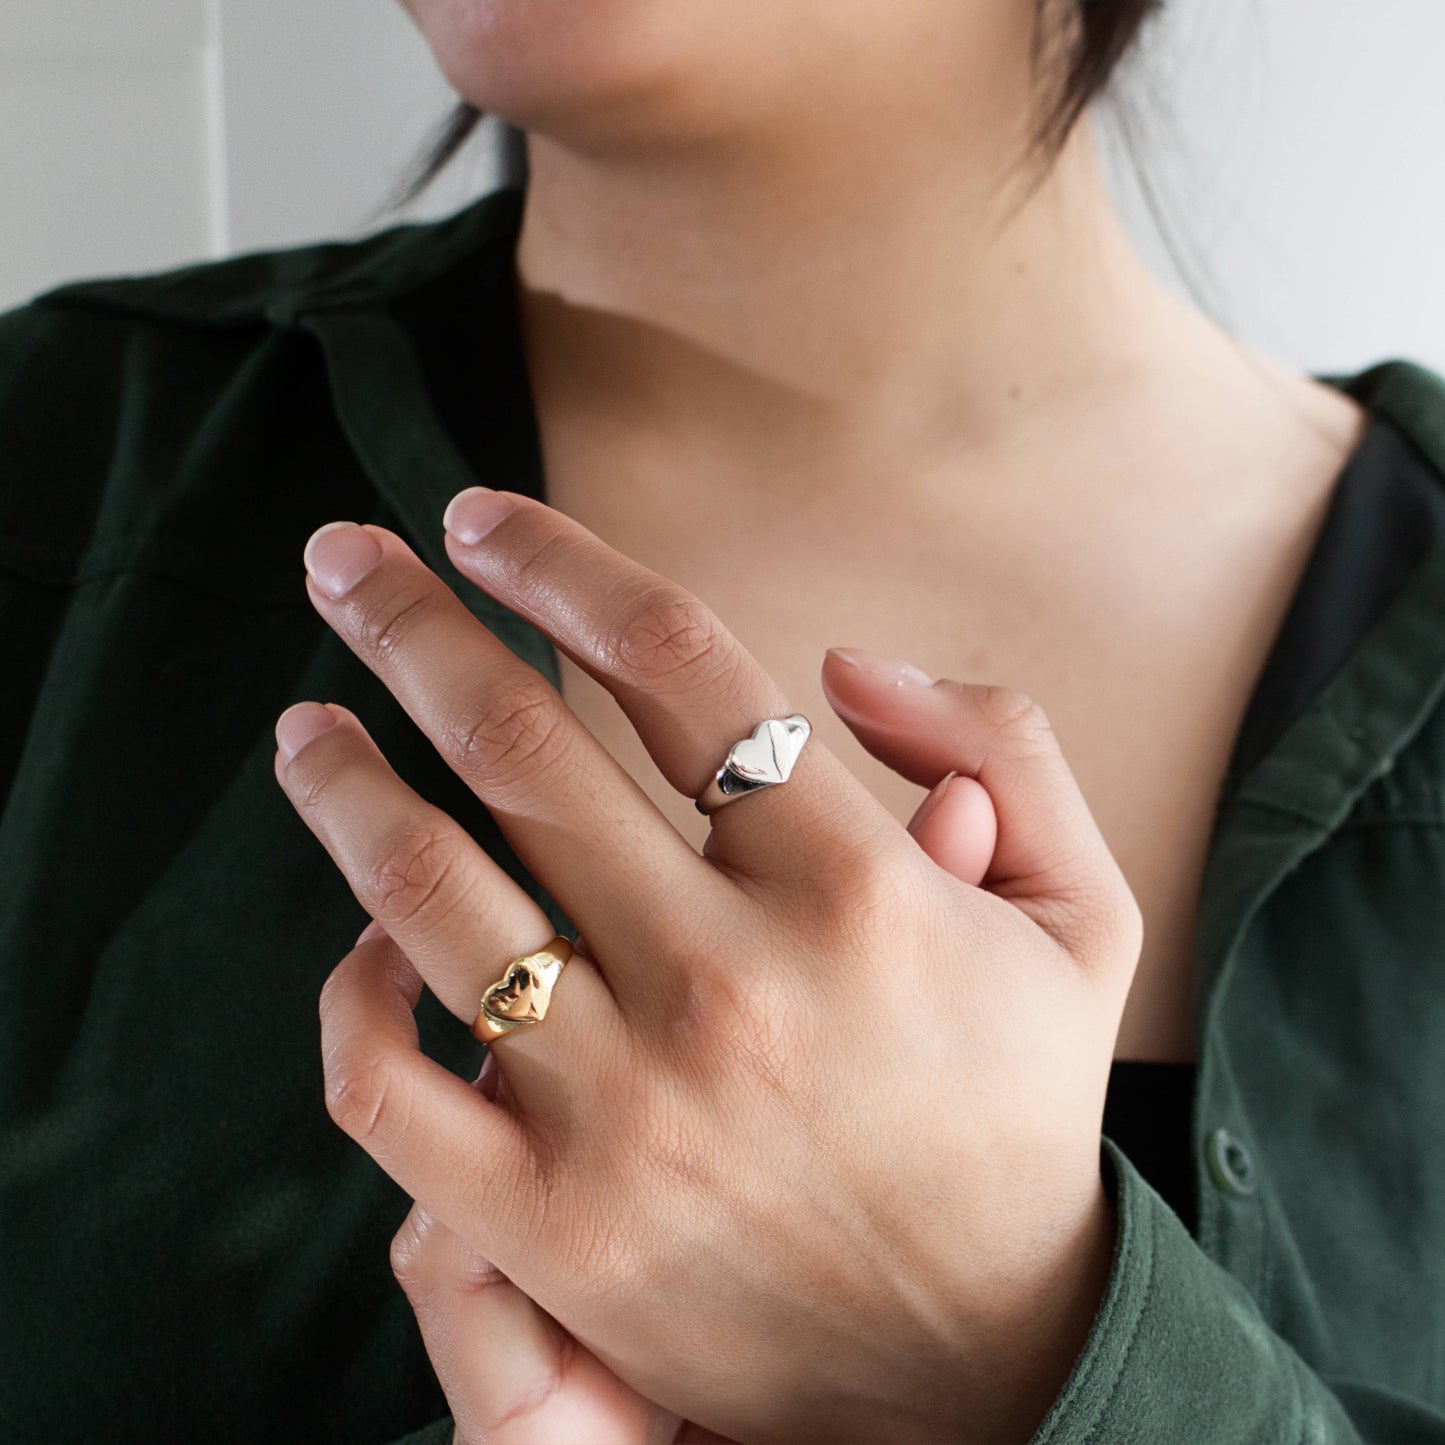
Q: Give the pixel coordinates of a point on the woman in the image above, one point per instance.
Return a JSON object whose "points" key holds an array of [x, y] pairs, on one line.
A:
{"points": [[819, 314]]}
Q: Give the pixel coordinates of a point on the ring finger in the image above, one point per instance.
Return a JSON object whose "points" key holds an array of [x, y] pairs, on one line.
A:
{"points": [[451, 909]]}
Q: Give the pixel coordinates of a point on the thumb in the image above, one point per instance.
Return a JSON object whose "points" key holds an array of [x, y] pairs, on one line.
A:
{"points": [[1049, 858], [957, 826]]}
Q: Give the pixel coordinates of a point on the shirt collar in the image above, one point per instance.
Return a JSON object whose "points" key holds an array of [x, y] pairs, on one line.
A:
{"points": [[377, 347]]}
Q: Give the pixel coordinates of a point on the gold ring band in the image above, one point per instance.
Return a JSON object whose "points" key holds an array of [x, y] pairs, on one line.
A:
{"points": [[520, 997]]}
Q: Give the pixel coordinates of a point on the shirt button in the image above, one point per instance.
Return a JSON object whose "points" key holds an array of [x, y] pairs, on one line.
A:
{"points": [[1230, 1164]]}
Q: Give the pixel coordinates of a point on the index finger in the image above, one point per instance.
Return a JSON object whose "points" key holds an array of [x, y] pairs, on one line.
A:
{"points": [[687, 685]]}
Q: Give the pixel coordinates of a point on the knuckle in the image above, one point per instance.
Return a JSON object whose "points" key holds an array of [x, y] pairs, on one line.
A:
{"points": [[515, 729], [368, 1101], [866, 890], [752, 1018], [536, 560], [1106, 923], [384, 623], [419, 879], [317, 769], [336, 983], [408, 1256], [1015, 716], [425, 1262], [664, 633], [1123, 919]]}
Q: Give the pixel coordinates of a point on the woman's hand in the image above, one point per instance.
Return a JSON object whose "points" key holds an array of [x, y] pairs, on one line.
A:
{"points": [[808, 1145], [511, 1374]]}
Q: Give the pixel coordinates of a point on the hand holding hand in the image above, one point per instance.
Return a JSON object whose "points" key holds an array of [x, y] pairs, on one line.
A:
{"points": [[511, 1374], [808, 1143]]}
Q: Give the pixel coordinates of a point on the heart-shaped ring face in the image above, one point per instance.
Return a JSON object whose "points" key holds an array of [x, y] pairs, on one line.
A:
{"points": [[768, 756], [520, 994]]}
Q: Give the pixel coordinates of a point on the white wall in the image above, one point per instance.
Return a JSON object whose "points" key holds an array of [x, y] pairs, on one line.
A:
{"points": [[1296, 145], [104, 143], [326, 103], [1299, 150]]}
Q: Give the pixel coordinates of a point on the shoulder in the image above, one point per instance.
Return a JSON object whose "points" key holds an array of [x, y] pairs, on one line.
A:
{"points": [[276, 285], [1395, 696], [91, 342], [131, 406], [1410, 396]]}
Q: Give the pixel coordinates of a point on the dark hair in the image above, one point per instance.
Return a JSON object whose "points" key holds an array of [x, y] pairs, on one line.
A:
{"points": [[1095, 36], [1078, 45]]}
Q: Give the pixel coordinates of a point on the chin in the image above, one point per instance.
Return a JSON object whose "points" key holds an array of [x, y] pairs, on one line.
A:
{"points": [[591, 70], [681, 74]]}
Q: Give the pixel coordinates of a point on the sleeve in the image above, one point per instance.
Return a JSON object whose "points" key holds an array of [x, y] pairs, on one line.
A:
{"points": [[1180, 1352]]}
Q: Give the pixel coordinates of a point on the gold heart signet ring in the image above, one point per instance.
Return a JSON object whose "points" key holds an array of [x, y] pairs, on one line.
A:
{"points": [[520, 997]]}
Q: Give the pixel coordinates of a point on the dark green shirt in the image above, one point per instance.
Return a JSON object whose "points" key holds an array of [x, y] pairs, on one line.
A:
{"points": [[191, 1251]]}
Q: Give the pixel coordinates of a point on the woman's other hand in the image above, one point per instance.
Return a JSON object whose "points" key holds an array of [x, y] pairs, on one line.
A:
{"points": [[511, 1374], [809, 1141]]}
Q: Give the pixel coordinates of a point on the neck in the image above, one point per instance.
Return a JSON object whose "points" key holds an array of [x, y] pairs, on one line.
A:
{"points": [[873, 300]]}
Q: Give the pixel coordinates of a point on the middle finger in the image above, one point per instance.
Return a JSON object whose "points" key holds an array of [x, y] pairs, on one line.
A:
{"points": [[688, 686]]}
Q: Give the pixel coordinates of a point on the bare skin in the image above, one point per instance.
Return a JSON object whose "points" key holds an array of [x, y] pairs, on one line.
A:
{"points": [[1121, 545], [1182, 667]]}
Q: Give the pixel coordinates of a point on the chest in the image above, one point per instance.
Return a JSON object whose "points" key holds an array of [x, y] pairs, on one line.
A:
{"points": [[1145, 688]]}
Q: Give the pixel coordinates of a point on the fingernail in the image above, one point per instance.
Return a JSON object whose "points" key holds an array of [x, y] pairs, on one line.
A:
{"points": [[371, 930], [300, 723], [472, 513], [490, 1076], [934, 798], [339, 555], [890, 669]]}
